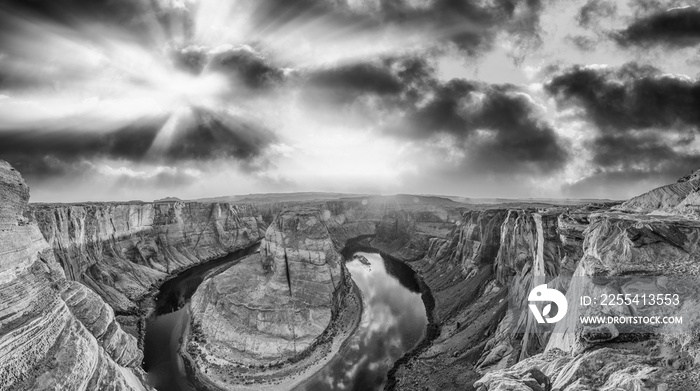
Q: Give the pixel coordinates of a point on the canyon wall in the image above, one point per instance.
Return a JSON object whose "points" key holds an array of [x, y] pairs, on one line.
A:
{"points": [[72, 278], [55, 334], [286, 311], [121, 251], [469, 273], [579, 357]]}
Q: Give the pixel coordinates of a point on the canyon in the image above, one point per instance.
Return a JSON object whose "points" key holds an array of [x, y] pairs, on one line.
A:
{"points": [[79, 282]]}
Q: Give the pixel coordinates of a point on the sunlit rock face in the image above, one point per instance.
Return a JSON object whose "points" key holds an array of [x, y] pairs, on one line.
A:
{"points": [[121, 250], [54, 334]]}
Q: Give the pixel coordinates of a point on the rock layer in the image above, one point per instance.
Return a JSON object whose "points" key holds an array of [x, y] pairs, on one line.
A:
{"points": [[121, 250], [49, 340], [277, 309], [580, 358]]}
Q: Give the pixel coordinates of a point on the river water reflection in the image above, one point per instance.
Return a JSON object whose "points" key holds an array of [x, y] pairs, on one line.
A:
{"points": [[394, 322]]}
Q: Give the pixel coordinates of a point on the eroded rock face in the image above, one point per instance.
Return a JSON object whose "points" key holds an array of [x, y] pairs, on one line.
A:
{"points": [[273, 305], [469, 272], [48, 341], [579, 357], [121, 250], [280, 309]]}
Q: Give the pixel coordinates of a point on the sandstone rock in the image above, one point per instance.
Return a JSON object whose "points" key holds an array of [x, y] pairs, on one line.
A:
{"points": [[121, 250], [271, 306], [99, 319], [43, 345]]}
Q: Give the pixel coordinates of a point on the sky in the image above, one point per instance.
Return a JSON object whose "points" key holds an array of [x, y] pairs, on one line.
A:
{"points": [[143, 99]]}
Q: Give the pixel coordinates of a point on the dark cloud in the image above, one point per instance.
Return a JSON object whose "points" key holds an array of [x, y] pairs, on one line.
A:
{"points": [[499, 126], [132, 17], [205, 136], [398, 81], [647, 152], [630, 97], [644, 121], [361, 77], [215, 135], [679, 27], [245, 65], [631, 163], [28, 150], [471, 26]]}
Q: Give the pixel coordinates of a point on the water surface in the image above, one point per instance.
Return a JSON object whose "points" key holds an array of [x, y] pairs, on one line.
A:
{"points": [[393, 323]]}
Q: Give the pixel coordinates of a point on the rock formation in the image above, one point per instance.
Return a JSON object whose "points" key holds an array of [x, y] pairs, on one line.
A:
{"points": [[73, 276], [272, 306], [272, 313], [54, 334], [122, 250]]}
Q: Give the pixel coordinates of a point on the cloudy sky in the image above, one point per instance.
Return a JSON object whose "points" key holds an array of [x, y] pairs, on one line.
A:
{"points": [[142, 99]]}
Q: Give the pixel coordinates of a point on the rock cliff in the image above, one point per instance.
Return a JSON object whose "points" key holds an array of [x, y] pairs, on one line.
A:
{"points": [[121, 251], [578, 357], [54, 334], [469, 272]]}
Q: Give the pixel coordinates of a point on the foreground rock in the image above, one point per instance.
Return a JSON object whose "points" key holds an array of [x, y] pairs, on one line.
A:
{"points": [[54, 334]]}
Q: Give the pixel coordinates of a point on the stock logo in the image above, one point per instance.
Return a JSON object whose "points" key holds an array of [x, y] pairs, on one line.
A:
{"points": [[543, 294]]}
